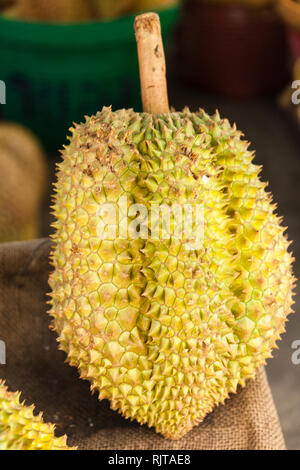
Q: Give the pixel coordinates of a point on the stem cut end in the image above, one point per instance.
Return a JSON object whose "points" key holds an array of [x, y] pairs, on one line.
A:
{"points": [[152, 64]]}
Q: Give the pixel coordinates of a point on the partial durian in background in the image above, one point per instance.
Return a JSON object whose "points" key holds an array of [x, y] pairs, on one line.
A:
{"points": [[75, 11], [23, 183], [289, 10], [21, 429], [63, 11], [140, 5], [107, 9]]}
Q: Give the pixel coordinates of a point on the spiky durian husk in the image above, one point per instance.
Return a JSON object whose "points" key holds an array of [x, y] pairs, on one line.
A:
{"points": [[20, 429], [18, 201], [23, 182], [66, 11], [163, 332], [141, 5], [107, 9], [289, 10], [27, 150]]}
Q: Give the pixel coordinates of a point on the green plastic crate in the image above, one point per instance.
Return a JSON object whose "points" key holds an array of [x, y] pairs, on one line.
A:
{"points": [[56, 74]]}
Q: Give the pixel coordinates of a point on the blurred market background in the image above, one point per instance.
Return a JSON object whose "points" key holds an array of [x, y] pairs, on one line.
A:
{"points": [[63, 59]]}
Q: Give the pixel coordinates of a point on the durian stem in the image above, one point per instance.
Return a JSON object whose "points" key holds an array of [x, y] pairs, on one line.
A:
{"points": [[152, 64]]}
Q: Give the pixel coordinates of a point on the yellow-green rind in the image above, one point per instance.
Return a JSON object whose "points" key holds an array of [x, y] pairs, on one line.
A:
{"points": [[163, 332], [21, 429]]}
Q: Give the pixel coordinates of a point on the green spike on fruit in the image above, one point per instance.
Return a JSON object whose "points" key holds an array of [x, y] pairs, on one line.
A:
{"points": [[21, 429], [164, 330]]}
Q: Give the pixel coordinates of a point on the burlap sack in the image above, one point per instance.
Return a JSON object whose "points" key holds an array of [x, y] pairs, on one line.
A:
{"points": [[36, 367]]}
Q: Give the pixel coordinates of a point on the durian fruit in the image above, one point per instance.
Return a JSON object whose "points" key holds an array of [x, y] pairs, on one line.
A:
{"points": [[141, 5], [23, 182], [289, 10], [61, 11], [108, 9], [21, 429], [165, 325]]}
